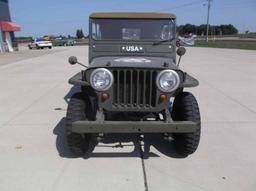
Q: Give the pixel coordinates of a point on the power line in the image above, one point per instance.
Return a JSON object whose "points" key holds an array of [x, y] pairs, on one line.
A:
{"points": [[183, 5], [244, 2], [238, 5]]}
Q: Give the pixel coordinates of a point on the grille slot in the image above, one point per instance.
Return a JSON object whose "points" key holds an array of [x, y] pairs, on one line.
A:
{"points": [[134, 88]]}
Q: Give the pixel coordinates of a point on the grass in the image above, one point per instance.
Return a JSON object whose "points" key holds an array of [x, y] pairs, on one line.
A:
{"points": [[82, 41], [233, 44], [241, 36]]}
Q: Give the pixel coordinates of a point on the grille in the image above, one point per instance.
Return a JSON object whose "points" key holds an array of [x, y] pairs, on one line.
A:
{"points": [[134, 88]]}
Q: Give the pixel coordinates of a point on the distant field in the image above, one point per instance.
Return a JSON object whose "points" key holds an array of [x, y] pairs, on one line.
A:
{"points": [[241, 36], [233, 44], [82, 41]]}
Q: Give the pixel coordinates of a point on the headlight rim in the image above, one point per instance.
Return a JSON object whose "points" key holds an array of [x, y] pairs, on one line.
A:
{"points": [[159, 76], [111, 79]]}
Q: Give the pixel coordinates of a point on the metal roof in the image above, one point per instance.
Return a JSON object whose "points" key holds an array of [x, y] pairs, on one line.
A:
{"points": [[133, 15]]}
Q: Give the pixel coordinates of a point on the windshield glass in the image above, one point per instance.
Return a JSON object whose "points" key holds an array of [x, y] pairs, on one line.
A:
{"points": [[40, 39], [132, 29]]}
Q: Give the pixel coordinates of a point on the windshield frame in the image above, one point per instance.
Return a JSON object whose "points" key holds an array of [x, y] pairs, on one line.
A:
{"points": [[125, 40]]}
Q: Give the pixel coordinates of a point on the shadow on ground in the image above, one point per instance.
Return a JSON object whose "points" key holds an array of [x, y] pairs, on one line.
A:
{"points": [[142, 145]]}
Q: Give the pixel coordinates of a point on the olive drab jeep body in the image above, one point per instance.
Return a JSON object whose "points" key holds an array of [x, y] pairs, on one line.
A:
{"points": [[133, 83]]}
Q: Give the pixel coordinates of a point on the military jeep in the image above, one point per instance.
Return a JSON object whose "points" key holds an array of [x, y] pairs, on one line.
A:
{"points": [[133, 84]]}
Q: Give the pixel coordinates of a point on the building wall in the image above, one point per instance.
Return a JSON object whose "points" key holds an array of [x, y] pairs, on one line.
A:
{"points": [[4, 16], [4, 11]]}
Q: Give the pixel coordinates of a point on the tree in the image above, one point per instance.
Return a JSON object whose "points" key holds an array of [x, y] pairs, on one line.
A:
{"points": [[79, 33], [201, 30], [187, 29], [228, 29]]}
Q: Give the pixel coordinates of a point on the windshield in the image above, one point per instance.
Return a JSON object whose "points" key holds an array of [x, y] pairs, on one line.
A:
{"points": [[40, 39], [132, 29]]}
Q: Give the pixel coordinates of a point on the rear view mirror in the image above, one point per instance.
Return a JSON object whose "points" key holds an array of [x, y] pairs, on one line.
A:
{"points": [[181, 51]]}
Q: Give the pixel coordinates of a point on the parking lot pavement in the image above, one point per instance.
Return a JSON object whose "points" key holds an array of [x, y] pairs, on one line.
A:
{"points": [[24, 53], [34, 156], [226, 158]]}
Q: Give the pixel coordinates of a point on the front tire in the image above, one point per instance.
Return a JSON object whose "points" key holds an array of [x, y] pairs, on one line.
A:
{"points": [[79, 144], [185, 108]]}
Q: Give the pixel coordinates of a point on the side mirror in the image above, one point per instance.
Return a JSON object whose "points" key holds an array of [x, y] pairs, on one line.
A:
{"points": [[181, 51], [72, 60]]}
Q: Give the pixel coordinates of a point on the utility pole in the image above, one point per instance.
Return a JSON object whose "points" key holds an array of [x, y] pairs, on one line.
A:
{"points": [[208, 19]]}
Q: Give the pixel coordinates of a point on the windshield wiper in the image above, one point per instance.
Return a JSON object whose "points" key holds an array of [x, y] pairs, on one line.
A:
{"points": [[163, 41]]}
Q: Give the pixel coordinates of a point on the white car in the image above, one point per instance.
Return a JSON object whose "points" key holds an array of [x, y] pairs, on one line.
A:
{"points": [[40, 43]]}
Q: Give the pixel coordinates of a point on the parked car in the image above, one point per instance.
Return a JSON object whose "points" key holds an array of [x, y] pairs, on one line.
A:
{"points": [[63, 42], [186, 41], [40, 43]]}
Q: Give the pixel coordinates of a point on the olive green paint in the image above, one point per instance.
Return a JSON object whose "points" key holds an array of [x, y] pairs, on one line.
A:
{"points": [[107, 54]]}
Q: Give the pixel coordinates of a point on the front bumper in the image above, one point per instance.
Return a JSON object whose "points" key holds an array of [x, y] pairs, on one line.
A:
{"points": [[134, 127]]}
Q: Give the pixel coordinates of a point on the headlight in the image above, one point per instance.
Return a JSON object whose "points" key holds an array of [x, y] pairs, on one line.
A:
{"points": [[101, 79], [168, 80]]}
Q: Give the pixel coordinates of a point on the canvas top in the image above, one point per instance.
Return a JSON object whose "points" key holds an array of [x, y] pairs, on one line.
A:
{"points": [[132, 15]]}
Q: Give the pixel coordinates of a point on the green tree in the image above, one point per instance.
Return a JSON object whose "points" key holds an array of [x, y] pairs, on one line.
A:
{"points": [[228, 29], [201, 30], [79, 33]]}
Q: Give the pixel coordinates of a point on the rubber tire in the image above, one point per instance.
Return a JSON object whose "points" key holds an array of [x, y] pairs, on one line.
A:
{"points": [[79, 144], [185, 108], [50, 47]]}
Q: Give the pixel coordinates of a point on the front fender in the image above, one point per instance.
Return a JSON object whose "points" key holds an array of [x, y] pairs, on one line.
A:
{"points": [[189, 82], [77, 80]]}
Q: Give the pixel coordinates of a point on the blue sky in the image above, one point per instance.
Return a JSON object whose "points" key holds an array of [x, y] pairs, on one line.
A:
{"points": [[63, 17]]}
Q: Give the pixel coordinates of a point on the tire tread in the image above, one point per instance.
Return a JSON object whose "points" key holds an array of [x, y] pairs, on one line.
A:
{"points": [[77, 143], [185, 108]]}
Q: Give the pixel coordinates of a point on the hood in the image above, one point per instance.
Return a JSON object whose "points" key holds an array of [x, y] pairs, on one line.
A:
{"points": [[133, 62]]}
